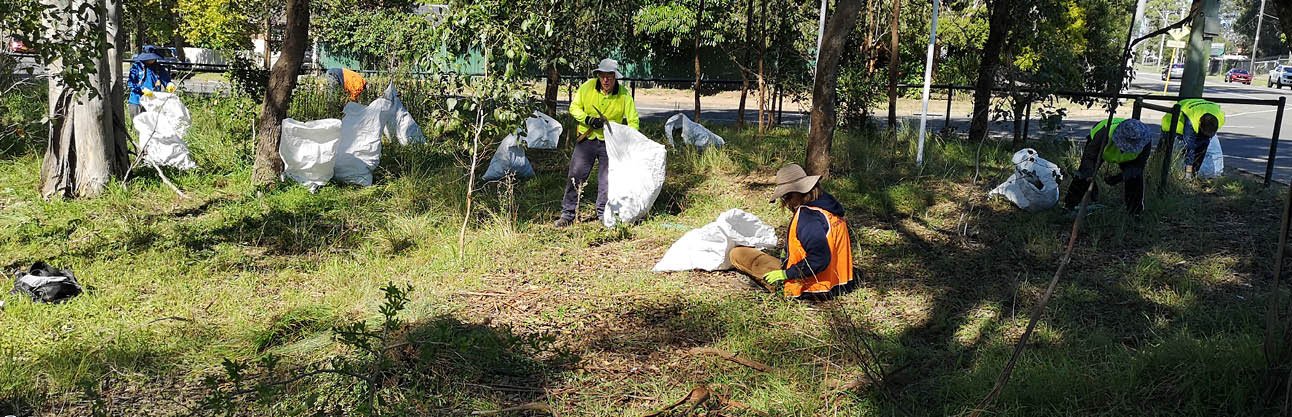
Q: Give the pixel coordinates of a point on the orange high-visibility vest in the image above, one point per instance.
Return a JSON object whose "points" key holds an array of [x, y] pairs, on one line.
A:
{"points": [[839, 272], [353, 83]]}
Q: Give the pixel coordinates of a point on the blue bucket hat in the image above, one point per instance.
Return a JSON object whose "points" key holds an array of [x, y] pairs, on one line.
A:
{"points": [[147, 56], [1131, 136]]}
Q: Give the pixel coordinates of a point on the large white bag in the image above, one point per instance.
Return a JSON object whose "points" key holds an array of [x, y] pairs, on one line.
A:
{"points": [[359, 150], [508, 159], [636, 174], [1213, 165], [542, 131], [162, 127], [1034, 186], [709, 247], [398, 123], [309, 150], [692, 133]]}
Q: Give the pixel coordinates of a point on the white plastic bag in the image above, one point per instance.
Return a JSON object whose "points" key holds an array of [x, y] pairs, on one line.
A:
{"points": [[709, 247], [1034, 186], [359, 150], [508, 159], [162, 127], [692, 133], [542, 131], [1213, 165], [636, 174], [398, 123], [309, 150]]}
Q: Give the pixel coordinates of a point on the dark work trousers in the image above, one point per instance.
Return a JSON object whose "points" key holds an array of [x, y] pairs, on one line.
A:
{"points": [[134, 110], [1195, 150], [1132, 174], [586, 152]]}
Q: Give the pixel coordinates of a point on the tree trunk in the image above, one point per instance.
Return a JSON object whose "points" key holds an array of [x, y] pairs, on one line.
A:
{"points": [[744, 70], [762, 80], [1020, 104], [823, 91], [893, 31], [87, 137], [268, 50], [553, 88], [871, 6], [699, 19], [278, 95], [997, 31]]}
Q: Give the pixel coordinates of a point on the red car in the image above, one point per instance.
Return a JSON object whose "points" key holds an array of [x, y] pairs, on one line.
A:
{"points": [[17, 46], [1238, 75]]}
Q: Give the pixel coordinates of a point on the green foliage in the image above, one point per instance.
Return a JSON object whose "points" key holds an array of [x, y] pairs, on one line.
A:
{"points": [[385, 38], [77, 41], [219, 24], [247, 76]]}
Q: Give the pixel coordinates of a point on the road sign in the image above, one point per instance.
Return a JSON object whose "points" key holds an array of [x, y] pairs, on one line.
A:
{"points": [[1178, 33], [1175, 44], [1217, 48]]}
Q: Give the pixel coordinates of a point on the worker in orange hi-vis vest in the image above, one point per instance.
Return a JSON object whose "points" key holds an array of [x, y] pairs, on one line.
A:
{"points": [[819, 262], [352, 82]]}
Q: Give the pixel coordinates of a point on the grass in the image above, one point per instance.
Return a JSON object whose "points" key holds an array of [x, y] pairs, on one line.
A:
{"points": [[1157, 316]]}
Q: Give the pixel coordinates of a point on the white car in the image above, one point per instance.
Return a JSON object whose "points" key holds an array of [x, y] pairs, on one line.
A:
{"points": [[1279, 77]]}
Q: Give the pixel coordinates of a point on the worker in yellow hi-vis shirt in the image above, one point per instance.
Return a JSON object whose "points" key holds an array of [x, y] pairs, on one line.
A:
{"points": [[599, 100]]}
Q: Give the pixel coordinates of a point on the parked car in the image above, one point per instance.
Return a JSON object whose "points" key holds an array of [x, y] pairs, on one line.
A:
{"points": [[1279, 76], [18, 46], [168, 55], [1238, 75], [1177, 71]]}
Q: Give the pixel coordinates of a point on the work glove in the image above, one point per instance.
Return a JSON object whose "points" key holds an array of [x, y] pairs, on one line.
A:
{"points": [[595, 123], [775, 278], [148, 93], [170, 88]]}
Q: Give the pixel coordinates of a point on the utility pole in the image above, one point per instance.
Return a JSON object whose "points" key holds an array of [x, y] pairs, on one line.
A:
{"points": [[1139, 17], [1205, 27], [1256, 40]]}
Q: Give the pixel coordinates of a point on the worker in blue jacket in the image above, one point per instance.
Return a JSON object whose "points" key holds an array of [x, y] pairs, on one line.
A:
{"points": [[146, 76]]}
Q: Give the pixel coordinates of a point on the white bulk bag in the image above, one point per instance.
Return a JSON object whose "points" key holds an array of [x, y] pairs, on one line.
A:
{"points": [[1034, 186], [1213, 165], [309, 150], [162, 127], [398, 123], [508, 159], [636, 174], [709, 247], [692, 133], [359, 150], [542, 131]]}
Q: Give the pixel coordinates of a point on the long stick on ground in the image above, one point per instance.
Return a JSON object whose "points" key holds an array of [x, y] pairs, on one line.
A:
{"points": [[1003, 378]]}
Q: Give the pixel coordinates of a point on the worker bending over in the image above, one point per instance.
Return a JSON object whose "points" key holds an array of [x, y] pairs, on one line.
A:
{"points": [[1127, 144]]}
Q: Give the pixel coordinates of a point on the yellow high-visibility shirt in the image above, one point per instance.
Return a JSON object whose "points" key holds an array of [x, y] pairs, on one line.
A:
{"points": [[618, 107]]}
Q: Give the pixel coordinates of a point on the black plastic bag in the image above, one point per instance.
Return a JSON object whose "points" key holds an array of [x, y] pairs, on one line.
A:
{"points": [[46, 284]]}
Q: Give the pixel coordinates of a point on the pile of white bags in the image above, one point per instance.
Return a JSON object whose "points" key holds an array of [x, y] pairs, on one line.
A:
{"points": [[1213, 165], [1034, 186], [348, 149], [692, 133], [508, 159], [542, 131], [162, 127], [309, 150], [709, 247], [636, 174], [398, 122]]}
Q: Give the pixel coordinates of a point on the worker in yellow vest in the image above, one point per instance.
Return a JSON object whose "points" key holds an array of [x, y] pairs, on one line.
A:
{"points": [[1198, 122], [819, 264], [599, 100], [1128, 144]]}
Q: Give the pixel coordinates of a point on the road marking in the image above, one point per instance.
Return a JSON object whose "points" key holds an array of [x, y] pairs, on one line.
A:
{"points": [[1228, 116]]}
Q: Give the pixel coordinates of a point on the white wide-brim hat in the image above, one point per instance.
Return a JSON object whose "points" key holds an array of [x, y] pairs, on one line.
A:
{"points": [[608, 65]]}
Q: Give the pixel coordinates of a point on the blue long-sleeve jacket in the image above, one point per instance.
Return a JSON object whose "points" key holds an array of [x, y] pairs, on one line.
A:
{"points": [[153, 77]]}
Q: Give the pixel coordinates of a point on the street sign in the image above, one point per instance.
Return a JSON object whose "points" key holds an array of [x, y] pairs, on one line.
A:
{"points": [[1178, 33], [1174, 44], [1217, 48]]}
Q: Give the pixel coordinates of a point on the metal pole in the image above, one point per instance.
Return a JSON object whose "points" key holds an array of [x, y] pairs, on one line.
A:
{"points": [[1027, 121], [1274, 141], [633, 85], [1168, 147], [820, 34], [1256, 41], [1138, 108], [928, 74]]}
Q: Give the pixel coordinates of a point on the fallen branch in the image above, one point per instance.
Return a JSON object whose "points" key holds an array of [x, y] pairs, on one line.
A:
{"points": [[731, 357], [167, 180], [697, 396], [523, 407]]}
